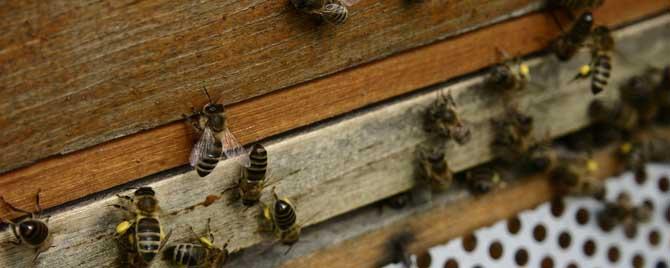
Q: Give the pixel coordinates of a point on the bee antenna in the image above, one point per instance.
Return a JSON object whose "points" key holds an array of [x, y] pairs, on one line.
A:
{"points": [[204, 88]]}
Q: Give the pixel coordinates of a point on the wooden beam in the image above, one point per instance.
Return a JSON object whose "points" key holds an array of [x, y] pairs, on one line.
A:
{"points": [[112, 69], [344, 164], [81, 173], [437, 225]]}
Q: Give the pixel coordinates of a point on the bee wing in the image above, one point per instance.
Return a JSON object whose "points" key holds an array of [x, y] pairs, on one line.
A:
{"points": [[233, 149], [205, 142], [349, 2]]}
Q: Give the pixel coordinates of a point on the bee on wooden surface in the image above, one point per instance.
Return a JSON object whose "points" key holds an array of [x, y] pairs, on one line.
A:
{"points": [[143, 234], [637, 154], [331, 11], [599, 70], [32, 231], [442, 119], [567, 45], [482, 179], [577, 177], [512, 135], [580, 4], [616, 115], [640, 93], [253, 178], [203, 254], [623, 212], [509, 75], [540, 158], [433, 168], [215, 141], [281, 219]]}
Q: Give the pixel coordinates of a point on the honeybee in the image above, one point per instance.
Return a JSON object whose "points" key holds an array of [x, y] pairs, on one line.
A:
{"points": [[433, 168], [623, 212], [615, 115], [280, 218], [643, 93], [512, 135], [577, 177], [599, 70], [638, 153], [215, 141], [33, 231], [253, 178], [482, 179], [507, 75], [332, 11], [441, 119], [203, 254], [579, 4], [567, 45], [144, 234], [540, 158]]}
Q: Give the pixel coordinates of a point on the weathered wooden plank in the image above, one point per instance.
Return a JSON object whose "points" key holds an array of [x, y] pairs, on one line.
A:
{"points": [[115, 69], [446, 219], [107, 165], [342, 165]]}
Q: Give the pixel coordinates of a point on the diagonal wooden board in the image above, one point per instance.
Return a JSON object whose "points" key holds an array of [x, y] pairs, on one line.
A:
{"points": [[345, 164], [84, 172], [116, 68]]}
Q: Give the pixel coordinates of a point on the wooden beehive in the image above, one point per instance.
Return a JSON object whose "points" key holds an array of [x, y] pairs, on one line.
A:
{"points": [[94, 95]]}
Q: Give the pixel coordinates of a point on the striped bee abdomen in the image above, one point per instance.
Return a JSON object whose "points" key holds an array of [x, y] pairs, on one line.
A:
{"points": [[259, 162], [601, 72], [148, 235], [208, 162], [284, 215], [190, 255], [334, 13], [33, 232]]}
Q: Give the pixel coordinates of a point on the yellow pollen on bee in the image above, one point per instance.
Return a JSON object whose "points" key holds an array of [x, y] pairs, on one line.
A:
{"points": [[524, 70], [626, 148], [205, 241], [122, 227], [585, 69], [592, 166]]}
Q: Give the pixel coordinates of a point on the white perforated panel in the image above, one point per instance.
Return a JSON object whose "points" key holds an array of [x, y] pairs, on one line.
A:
{"points": [[548, 238]]}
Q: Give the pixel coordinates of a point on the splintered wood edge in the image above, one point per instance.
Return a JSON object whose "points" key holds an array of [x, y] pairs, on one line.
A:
{"points": [[345, 164], [70, 177], [437, 225]]}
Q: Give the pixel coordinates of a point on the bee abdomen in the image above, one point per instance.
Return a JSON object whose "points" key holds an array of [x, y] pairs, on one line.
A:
{"points": [[601, 73], [208, 162], [187, 254], [259, 162], [285, 216], [148, 232], [334, 13], [33, 232]]}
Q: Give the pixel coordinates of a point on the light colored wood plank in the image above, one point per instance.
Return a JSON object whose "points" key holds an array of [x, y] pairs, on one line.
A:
{"points": [[443, 221], [343, 165], [81, 173], [112, 69]]}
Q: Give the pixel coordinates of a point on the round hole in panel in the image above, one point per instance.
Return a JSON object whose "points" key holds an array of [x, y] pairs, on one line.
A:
{"points": [[572, 265], [451, 263], [424, 260], [661, 264], [564, 240], [547, 262], [664, 184], [638, 261], [539, 232], [469, 242], [521, 257], [630, 231], [654, 238], [589, 247], [513, 225], [613, 254], [582, 216], [496, 250], [557, 207], [640, 178]]}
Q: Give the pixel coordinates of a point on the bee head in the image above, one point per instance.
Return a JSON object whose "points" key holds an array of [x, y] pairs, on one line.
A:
{"points": [[213, 108]]}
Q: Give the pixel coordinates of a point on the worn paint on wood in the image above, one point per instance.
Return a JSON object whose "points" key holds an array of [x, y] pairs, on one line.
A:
{"points": [[77, 73], [113, 163], [342, 165]]}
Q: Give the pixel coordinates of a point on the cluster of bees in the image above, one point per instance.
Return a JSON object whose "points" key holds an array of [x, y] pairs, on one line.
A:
{"points": [[645, 99]]}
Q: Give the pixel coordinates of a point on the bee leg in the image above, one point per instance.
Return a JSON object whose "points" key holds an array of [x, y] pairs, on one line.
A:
{"points": [[13, 208], [125, 197], [38, 208], [120, 207], [12, 226], [164, 240], [209, 230]]}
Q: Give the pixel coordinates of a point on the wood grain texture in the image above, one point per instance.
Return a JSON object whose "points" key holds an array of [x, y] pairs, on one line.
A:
{"points": [[112, 68], [342, 165], [437, 225], [116, 162]]}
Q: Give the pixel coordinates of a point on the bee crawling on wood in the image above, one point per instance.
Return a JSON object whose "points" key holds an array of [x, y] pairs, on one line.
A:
{"points": [[623, 212], [482, 179], [615, 115], [33, 231], [638, 153], [577, 177], [512, 135], [215, 141], [332, 11], [281, 219], [540, 158], [433, 167], [142, 236], [254, 177], [203, 254], [567, 45], [442, 120], [600, 67], [508, 75]]}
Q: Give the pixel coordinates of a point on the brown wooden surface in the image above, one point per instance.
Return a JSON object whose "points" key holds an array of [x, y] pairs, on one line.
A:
{"points": [[440, 224], [76, 73], [81, 173]]}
